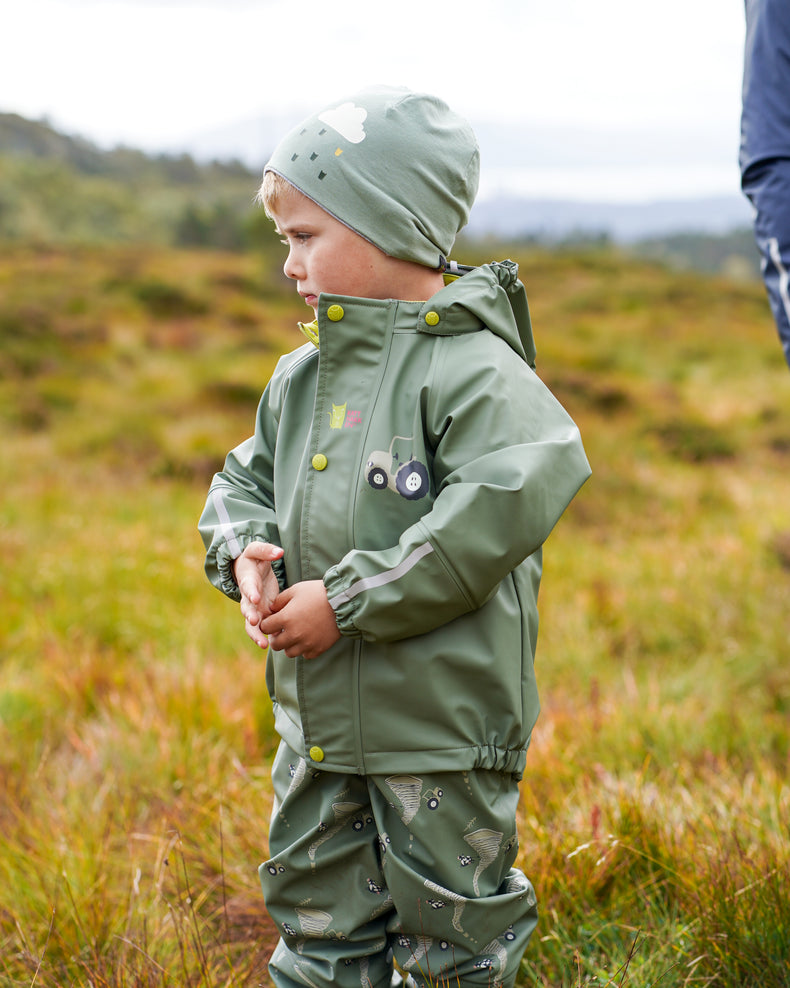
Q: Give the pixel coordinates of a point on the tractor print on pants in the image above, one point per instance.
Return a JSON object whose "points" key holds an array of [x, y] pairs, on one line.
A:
{"points": [[400, 473]]}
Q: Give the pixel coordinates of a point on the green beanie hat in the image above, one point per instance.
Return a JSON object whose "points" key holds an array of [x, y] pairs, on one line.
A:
{"points": [[397, 167]]}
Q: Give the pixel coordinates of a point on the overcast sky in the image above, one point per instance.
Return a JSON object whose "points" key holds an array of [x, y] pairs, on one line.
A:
{"points": [[610, 99]]}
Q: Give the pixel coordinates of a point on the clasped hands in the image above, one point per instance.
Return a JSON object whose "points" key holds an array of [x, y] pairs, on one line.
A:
{"points": [[298, 621]]}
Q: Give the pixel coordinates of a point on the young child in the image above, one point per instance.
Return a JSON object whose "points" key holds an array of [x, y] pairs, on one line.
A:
{"points": [[382, 530]]}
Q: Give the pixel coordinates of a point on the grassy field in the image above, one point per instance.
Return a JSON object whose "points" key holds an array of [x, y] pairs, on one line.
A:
{"points": [[135, 730]]}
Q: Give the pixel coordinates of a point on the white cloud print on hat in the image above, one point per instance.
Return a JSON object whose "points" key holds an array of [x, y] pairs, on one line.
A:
{"points": [[348, 120]]}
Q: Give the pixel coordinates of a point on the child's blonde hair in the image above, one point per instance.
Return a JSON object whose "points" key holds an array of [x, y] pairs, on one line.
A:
{"points": [[273, 189]]}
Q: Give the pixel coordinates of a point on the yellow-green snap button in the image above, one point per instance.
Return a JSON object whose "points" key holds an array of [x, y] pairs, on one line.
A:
{"points": [[335, 313], [432, 318], [319, 461], [316, 753]]}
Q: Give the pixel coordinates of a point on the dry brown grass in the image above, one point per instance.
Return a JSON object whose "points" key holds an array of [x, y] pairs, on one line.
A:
{"points": [[135, 730]]}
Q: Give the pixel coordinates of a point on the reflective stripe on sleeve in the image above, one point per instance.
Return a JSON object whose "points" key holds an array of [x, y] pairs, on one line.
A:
{"points": [[226, 526], [382, 579]]}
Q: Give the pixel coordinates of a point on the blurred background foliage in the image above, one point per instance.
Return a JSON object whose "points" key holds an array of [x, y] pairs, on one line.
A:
{"points": [[142, 310], [57, 189]]}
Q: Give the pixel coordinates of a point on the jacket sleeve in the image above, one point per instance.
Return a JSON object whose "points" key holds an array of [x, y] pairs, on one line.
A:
{"points": [[508, 460], [240, 504]]}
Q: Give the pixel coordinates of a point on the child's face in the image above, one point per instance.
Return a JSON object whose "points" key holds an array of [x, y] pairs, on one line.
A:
{"points": [[324, 255]]}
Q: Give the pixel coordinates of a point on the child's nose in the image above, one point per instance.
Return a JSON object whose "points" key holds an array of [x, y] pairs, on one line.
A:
{"points": [[291, 268]]}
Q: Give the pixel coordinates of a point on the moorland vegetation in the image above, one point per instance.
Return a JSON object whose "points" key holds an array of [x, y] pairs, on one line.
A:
{"points": [[135, 729]]}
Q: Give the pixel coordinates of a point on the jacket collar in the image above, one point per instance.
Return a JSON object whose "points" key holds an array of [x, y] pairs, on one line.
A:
{"points": [[490, 295]]}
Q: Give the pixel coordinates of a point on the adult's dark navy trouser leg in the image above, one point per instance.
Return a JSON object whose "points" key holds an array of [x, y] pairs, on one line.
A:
{"points": [[767, 185]]}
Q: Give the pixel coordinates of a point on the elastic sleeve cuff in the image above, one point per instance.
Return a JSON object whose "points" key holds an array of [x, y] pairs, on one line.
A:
{"points": [[340, 603], [227, 581]]}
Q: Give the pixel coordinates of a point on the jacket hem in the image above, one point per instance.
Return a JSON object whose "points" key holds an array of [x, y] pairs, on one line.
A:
{"points": [[511, 761]]}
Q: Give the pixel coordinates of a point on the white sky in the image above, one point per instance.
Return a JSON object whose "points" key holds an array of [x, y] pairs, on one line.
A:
{"points": [[606, 98]]}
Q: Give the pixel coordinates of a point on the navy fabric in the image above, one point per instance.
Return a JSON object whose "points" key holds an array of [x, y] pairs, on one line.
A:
{"points": [[765, 147], [768, 187], [765, 121]]}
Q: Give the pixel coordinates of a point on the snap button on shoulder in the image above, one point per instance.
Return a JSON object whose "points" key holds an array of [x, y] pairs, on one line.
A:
{"points": [[319, 461], [335, 313], [432, 318], [316, 753]]}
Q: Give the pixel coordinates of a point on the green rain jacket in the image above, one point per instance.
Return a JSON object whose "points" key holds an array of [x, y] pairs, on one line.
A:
{"points": [[415, 463]]}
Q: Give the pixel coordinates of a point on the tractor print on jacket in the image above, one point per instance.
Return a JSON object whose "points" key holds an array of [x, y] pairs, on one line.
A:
{"points": [[397, 471]]}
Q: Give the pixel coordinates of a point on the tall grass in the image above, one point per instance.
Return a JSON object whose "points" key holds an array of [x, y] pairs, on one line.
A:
{"points": [[135, 730]]}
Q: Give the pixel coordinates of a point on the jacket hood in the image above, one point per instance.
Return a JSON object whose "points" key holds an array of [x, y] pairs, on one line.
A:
{"points": [[493, 295]]}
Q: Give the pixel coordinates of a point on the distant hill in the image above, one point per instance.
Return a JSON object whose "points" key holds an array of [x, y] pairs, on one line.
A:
{"points": [[507, 151], [59, 188], [23, 138], [552, 220], [29, 138]]}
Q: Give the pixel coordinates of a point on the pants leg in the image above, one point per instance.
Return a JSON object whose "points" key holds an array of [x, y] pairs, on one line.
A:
{"points": [[767, 185], [322, 883], [364, 868], [463, 913]]}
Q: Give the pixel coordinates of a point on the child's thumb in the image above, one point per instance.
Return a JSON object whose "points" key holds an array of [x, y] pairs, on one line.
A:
{"points": [[263, 551]]}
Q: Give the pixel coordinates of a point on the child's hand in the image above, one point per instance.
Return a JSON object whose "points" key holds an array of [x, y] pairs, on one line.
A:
{"points": [[302, 621], [258, 586]]}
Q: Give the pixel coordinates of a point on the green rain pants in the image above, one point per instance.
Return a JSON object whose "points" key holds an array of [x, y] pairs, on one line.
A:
{"points": [[367, 870]]}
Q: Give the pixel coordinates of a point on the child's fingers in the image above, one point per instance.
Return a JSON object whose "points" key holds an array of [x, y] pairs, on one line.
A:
{"points": [[252, 623], [281, 600], [249, 611], [255, 633], [252, 610], [263, 551], [250, 587], [271, 624]]}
